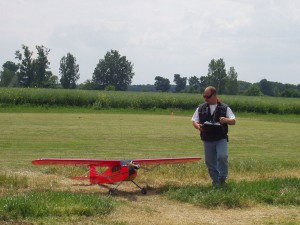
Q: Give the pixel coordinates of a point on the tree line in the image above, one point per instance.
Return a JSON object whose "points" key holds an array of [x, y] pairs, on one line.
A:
{"points": [[115, 72]]}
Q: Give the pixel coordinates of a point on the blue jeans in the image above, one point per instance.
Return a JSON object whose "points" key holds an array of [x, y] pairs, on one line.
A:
{"points": [[216, 159]]}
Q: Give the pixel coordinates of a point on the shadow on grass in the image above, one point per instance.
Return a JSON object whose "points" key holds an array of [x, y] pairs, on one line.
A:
{"points": [[279, 191]]}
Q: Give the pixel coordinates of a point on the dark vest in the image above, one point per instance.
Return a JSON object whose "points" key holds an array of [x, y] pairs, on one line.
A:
{"points": [[213, 133]]}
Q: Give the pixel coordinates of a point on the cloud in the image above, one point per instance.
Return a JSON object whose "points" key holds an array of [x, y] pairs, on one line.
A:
{"points": [[161, 38]]}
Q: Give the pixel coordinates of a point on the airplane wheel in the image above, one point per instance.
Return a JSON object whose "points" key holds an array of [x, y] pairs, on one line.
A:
{"points": [[144, 191], [111, 191]]}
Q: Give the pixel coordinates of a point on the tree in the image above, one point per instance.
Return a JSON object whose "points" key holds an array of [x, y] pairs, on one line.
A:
{"points": [[254, 90], [290, 93], [41, 65], [162, 84], [180, 82], [26, 65], [114, 70], [87, 85], [217, 74], [69, 71], [204, 82], [11, 66], [33, 72], [243, 86], [194, 84], [266, 87], [231, 83], [8, 77], [51, 80]]}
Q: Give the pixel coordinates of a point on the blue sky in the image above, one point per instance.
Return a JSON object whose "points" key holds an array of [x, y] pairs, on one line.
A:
{"points": [[259, 38]]}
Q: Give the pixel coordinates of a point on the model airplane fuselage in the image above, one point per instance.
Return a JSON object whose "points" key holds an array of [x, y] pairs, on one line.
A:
{"points": [[117, 171]]}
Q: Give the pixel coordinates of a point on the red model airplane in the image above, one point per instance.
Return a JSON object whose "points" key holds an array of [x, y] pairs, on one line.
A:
{"points": [[118, 170]]}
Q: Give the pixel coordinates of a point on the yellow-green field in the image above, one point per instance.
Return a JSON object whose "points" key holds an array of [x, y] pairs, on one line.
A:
{"points": [[261, 148]]}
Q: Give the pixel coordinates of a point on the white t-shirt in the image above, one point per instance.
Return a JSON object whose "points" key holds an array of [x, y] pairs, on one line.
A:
{"points": [[229, 113]]}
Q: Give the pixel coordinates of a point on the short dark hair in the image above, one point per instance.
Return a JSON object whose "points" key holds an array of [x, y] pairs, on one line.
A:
{"points": [[212, 89]]}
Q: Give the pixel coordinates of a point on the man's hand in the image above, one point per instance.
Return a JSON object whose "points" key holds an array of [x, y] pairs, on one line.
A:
{"points": [[229, 121], [223, 120]]}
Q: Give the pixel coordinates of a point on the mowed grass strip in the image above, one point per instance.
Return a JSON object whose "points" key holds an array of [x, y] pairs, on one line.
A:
{"points": [[255, 144], [27, 136]]}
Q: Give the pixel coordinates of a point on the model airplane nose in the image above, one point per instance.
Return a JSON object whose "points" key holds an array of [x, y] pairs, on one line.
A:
{"points": [[134, 165], [137, 166]]}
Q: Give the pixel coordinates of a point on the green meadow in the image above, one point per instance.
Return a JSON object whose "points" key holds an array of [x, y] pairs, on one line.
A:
{"points": [[264, 154], [260, 139]]}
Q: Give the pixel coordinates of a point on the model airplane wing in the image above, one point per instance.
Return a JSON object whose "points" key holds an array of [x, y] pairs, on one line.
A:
{"points": [[166, 160], [76, 162], [111, 163]]}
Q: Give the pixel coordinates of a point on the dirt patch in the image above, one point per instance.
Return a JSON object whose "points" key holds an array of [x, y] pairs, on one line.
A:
{"points": [[156, 209]]}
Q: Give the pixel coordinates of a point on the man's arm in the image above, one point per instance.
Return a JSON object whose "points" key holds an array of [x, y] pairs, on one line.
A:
{"points": [[197, 125], [195, 118], [229, 119]]}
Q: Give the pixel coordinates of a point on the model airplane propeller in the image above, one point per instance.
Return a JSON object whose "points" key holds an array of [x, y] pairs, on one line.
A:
{"points": [[117, 171]]}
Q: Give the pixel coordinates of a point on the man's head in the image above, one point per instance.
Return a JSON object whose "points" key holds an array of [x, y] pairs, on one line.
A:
{"points": [[210, 95]]}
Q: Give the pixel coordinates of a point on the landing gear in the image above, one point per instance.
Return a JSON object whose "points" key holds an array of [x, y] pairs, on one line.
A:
{"points": [[112, 190], [131, 172], [144, 191]]}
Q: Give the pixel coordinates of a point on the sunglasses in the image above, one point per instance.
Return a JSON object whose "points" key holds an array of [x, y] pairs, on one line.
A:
{"points": [[208, 96]]}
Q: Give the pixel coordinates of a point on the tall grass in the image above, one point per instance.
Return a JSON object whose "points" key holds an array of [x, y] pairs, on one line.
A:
{"points": [[140, 100], [252, 165], [54, 204], [13, 181], [279, 191]]}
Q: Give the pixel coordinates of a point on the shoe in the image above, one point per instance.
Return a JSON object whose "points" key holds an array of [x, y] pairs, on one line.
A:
{"points": [[214, 184], [222, 181]]}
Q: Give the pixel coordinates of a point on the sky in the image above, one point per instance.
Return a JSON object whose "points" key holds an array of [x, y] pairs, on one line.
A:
{"points": [[259, 38]]}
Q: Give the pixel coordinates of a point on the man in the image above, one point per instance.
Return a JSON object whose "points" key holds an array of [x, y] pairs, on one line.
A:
{"points": [[212, 119]]}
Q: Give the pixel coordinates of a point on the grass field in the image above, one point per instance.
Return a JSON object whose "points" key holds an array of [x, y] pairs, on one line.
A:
{"points": [[264, 153]]}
